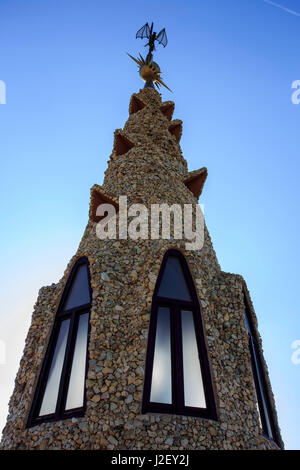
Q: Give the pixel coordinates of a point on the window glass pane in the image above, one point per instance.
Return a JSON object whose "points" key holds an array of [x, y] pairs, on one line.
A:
{"points": [[258, 410], [261, 392], [77, 379], [161, 386], [193, 385], [263, 412], [173, 283], [247, 323], [79, 293], [51, 392]]}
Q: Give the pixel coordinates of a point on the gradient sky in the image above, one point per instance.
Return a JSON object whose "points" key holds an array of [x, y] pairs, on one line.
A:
{"points": [[230, 64]]}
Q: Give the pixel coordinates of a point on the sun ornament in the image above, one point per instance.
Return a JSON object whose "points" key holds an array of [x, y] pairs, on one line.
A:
{"points": [[148, 69]]}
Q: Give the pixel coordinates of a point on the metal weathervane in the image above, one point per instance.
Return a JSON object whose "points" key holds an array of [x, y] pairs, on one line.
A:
{"points": [[148, 69]]}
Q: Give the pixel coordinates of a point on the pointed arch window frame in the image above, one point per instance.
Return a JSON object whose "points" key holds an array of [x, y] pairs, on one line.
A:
{"points": [[73, 315], [265, 409], [176, 306]]}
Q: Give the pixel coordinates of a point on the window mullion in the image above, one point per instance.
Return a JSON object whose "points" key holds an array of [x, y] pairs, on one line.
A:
{"points": [[178, 360], [65, 375]]}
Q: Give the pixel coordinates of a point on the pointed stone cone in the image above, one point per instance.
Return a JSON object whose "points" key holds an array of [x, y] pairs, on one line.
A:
{"points": [[147, 167]]}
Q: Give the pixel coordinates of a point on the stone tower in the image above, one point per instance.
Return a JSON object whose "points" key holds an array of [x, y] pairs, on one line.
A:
{"points": [[126, 308]]}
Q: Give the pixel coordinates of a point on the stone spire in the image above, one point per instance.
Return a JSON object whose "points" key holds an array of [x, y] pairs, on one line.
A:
{"points": [[147, 166], [147, 163]]}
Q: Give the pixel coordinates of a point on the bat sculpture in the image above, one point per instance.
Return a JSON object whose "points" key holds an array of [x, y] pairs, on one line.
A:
{"points": [[148, 69]]}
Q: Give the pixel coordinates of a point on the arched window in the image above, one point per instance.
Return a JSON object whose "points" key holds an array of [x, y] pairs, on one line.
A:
{"points": [[177, 377], [262, 395], [60, 391]]}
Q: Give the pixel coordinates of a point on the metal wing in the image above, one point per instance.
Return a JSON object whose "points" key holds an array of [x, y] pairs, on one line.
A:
{"points": [[144, 32], [162, 38]]}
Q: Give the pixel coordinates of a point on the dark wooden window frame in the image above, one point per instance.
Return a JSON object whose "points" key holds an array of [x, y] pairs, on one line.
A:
{"points": [[261, 387], [175, 306], [74, 315]]}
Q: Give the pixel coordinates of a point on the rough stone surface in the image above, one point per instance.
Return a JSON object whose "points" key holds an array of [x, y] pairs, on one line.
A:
{"points": [[123, 276]]}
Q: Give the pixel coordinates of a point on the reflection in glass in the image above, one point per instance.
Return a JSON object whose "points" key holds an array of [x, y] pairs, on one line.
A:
{"points": [[173, 284], [247, 323], [161, 388], [262, 394], [79, 293], [51, 392], [193, 385], [76, 385]]}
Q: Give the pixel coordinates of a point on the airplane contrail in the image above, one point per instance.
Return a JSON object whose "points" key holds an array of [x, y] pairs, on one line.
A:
{"points": [[292, 12]]}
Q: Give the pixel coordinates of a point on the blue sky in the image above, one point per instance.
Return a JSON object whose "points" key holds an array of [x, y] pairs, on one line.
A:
{"points": [[230, 64]]}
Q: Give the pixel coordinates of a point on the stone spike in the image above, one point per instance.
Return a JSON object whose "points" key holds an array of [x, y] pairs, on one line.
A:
{"points": [[167, 109], [195, 181], [136, 104], [175, 128]]}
